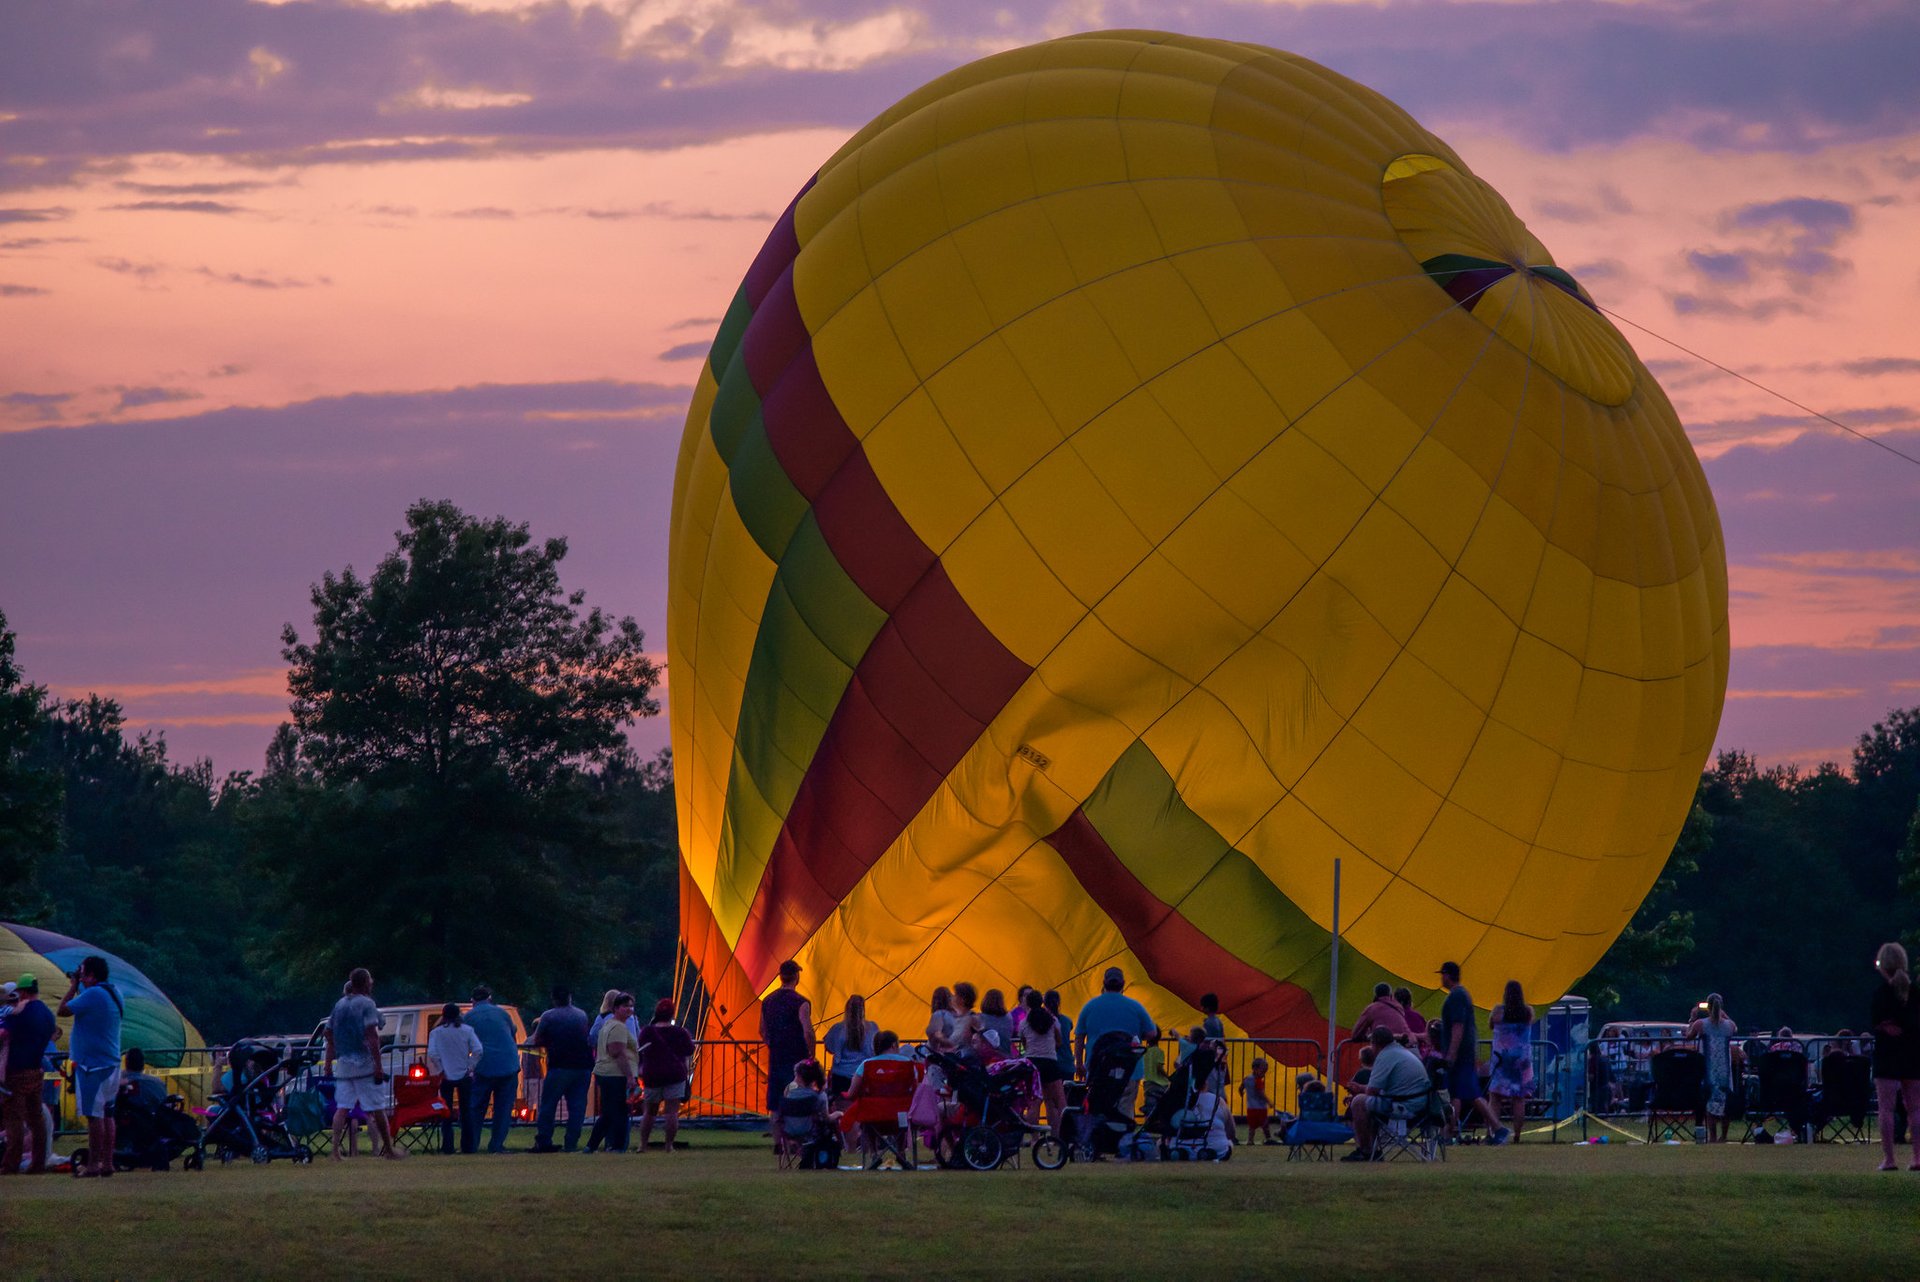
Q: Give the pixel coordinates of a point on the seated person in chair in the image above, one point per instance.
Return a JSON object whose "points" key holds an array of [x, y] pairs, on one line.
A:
{"points": [[886, 1050], [804, 1108], [1395, 1089]]}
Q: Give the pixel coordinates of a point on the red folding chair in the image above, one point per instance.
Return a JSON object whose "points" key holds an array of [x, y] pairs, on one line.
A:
{"points": [[883, 1094]]}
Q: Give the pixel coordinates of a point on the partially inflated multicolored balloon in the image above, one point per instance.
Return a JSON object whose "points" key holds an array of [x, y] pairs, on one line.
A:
{"points": [[1137, 471]]}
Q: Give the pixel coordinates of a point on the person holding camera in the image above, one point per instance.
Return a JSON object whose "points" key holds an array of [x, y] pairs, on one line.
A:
{"points": [[357, 1067], [94, 1046]]}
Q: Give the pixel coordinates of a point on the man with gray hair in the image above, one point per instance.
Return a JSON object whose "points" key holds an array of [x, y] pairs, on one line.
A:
{"points": [[358, 1070], [1394, 1089]]}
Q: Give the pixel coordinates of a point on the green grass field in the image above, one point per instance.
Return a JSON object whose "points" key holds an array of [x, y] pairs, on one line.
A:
{"points": [[721, 1210]]}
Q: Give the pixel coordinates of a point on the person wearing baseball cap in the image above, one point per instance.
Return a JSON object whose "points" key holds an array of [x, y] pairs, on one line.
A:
{"points": [[786, 1026], [24, 1037], [1112, 1012], [1459, 1045]]}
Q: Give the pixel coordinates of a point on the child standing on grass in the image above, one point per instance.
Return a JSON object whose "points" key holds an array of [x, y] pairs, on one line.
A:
{"points": [[1254, 1088]]}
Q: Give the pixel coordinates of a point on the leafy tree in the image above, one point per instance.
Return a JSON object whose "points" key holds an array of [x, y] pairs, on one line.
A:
{"points": [[440, 823], [151, 869], [1910, 879], [29, 793], [1640, 961]]}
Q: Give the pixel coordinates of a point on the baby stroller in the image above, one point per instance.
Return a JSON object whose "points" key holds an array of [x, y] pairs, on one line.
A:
{"points": [[1183, 1129], [986, 1122], [1099, 1119], [149, 1136], [249, 1120]]}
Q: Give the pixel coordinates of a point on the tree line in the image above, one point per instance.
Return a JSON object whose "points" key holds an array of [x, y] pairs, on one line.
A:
{"points": [[453, 800]]}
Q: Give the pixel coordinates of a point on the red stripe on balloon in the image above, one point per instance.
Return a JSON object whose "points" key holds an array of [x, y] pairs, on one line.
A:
{"points": [[1178, 955], [924, 691]]}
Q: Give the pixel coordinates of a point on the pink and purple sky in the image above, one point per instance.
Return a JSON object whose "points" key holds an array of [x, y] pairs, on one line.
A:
{"points": [[271, 271]]}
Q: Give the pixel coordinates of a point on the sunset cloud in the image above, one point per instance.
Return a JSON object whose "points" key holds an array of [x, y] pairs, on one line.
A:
{"points": [[477, 249], [298, 83]]}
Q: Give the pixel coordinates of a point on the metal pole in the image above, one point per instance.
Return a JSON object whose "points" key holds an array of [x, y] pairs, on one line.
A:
{"points": [[1333, 981]]}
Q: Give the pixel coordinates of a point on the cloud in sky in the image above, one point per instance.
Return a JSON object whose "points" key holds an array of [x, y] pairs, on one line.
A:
{"points": [[331, 81], [135, 397], [184, 625], [181, 207], [48, 215], [540, 210], [22, 291]]}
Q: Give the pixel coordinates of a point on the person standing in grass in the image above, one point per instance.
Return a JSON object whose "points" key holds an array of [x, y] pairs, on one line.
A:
{"points": [[786, 1026], [1254, 1091], [966, 1020], [497, 1076], [1715, 1030], [1459, 1046], [30, 1029], [1112, 1012], [1896, 1049], [1064, 1037], [1416, 1022], [665, 1051], [614, 1073], [995, 1020], [1042, 1033], [94, 1046], [453, 1048], [849, 1043], [1511, 1084], [562, 1035], [940, 1020], [356, 1065]]}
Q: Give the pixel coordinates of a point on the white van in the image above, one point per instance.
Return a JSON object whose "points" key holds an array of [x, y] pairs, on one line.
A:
{"points": [[404, 1031]]}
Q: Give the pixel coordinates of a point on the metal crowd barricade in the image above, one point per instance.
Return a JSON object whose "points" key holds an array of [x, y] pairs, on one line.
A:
{"points": [[1286, 1057]]}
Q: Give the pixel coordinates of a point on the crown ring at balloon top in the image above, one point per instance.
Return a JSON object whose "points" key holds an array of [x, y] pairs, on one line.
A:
{"points": [[1476, 249]]}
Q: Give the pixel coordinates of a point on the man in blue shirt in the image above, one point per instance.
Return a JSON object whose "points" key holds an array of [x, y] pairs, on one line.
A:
{"points": [[29, 1030], [1111, 1012], [496, 1078], [94, 1047]]}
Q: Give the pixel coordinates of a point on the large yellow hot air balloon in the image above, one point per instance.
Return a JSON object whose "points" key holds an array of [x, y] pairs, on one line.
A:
{"points": [[1137, 471]]}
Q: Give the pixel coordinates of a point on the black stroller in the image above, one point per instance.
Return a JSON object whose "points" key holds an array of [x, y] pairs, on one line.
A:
{"points": [[987, 1123], [1098, 1115], [251, 1120], [1183, 1131], [150, 1137]]}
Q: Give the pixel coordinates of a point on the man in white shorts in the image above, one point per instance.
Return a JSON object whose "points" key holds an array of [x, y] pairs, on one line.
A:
{"points": [[354, 1060], [94, 1046]]}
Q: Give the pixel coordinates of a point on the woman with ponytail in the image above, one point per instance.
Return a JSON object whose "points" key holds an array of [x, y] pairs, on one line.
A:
{"points": [[1896, 1049], [1714, 1029]]}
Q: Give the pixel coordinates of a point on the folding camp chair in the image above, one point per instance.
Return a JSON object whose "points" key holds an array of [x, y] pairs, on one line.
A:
{"points": [[1313, 1140], [1421, 1135], [1846, 1099], [886, 1094], [1782, 1094], [1676, 1098], [418, 1111]]}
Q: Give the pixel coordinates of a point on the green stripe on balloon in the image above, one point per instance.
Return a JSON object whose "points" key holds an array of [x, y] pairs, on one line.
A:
{"points": [[815, 623], [1186, 864]]}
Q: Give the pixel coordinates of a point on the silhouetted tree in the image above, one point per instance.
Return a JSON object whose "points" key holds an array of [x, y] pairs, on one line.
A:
{"points": [[441, 825], [29, 793]]}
